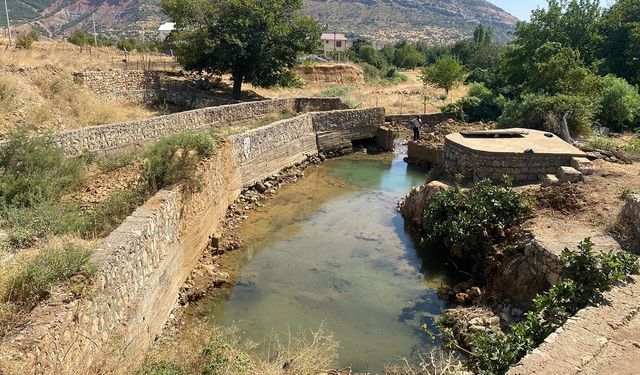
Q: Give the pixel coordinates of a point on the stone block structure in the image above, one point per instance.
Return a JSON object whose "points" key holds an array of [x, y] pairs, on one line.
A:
{"points": [[524, 159]]}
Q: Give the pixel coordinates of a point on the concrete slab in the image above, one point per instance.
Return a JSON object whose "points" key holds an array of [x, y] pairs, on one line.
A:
{"points": [[534, 140]]}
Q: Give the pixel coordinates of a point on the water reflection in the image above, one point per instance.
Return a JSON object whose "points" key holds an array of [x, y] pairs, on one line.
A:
{"points": [[332, 249]]}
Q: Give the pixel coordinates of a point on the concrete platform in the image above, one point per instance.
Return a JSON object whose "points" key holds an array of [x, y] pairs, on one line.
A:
{"points": [[533, 140], [522, 154]]}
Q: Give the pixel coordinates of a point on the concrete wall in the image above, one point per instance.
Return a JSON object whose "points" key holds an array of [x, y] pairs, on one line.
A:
{"points": [[521, 167], [146, 260], [105, 138]]}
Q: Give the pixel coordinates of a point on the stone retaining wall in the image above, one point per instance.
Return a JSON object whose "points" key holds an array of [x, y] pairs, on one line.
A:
{"points": [[336, 129], [521, 167], [428, 155], [146, 260], [105, 138], [118, 82]]}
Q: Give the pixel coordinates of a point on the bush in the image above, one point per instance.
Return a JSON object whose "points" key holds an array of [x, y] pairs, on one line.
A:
{"points": [[79, 38], [174, 159], [48, 269], [545, 112], [108, 215], [36, 171], [619, 104], [480, 105], [335, 92], [468, 222], [26, 41], [586, 276], [112, 162]]}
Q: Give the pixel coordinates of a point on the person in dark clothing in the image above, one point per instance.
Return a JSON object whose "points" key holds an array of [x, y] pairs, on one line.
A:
{"points": [[416, 124]]}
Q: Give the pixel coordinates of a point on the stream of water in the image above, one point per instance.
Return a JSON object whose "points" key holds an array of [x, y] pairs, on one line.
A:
{"points": [[331, 250]]}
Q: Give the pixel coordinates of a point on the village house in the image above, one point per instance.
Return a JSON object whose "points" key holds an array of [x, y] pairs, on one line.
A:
{"points": [[332, 42]]}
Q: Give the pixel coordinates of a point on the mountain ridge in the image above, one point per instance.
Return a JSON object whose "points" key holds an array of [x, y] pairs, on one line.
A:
{"points": [[382, 21]]}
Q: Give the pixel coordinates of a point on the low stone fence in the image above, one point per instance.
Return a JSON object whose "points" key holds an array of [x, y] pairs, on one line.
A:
{"points": [[521, 167], [118, 82], [146, 260], [428, 119], [105, 138]]}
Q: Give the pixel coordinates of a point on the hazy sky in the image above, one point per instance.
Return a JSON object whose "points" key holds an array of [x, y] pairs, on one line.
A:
{"points": [[520, 8]]}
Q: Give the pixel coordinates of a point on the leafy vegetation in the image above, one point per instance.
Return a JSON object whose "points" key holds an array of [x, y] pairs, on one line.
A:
{"points": [[174, 159], [481, 104], [260, 39], [446, 73], [470, 221], [26, 41], [586, 276]]}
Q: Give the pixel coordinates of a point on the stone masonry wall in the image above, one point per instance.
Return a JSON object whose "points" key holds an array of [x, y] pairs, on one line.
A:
{"points": [[116, 82], [336, 129], [105, 138], [521, 167], [631, 215], [145, 261]]}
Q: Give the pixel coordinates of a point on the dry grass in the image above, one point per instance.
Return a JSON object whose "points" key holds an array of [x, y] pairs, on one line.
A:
{"points": [[396, 98], [435, 362], [37, 90], [220, 351]]}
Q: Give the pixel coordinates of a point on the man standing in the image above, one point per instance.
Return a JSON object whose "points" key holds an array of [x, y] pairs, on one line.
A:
{"points": [[416, 123]]}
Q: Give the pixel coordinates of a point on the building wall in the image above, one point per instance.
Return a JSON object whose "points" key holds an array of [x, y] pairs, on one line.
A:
{"points": [[330, 46]]}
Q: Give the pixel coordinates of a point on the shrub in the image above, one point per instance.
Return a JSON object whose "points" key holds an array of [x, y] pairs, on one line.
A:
{"points": [[79, 38], [51, 267], [619, 103], [161, 368], [544, 112], [174, 159], [109, 214], [36, 171], [112, 162], [586, 276], [26, 41], [469, 221], [480, 105], [603, 143], [336, 92]]}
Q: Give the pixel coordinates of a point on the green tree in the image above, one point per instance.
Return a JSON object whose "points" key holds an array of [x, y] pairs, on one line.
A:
{"points": [[446, 73], [573, 24], [619, 103], [620, 28], [483, 35], [256, 41], [79, 38], [408, 57]]}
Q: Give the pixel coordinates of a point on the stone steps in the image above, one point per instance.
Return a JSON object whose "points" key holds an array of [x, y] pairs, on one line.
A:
{"points": [[549, 180], [569, 174], [583, 165]]}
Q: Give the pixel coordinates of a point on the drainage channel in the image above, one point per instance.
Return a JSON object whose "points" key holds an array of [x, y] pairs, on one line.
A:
{"points": [[331, 250]]}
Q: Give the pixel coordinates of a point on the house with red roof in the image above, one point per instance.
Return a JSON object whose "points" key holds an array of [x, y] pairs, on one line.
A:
{"points": [[332, 42]]}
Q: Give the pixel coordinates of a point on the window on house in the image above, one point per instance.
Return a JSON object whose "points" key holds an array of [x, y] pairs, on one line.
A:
{"points": [[326, 41], [338, 44]]}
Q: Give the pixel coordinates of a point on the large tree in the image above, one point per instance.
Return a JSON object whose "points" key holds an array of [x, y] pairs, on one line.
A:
{"points": [[256, 41], [620, 27]]}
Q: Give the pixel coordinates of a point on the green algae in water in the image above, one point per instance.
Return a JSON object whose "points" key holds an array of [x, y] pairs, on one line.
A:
{"points": [[331, 250]]}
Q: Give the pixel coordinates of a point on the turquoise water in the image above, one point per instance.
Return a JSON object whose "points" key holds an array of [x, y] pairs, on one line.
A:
{"points": [[331, 250]]}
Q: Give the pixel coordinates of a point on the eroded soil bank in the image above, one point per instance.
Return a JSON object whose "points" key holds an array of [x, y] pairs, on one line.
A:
{"points": [[331, 250]]}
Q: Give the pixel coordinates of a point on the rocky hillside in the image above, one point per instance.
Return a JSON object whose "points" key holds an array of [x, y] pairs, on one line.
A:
{"points": [[434, 21], [383, 21]]}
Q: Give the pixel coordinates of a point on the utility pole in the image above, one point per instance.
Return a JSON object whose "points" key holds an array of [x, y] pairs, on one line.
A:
{"points": [[6, 10], [95, 36]]}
